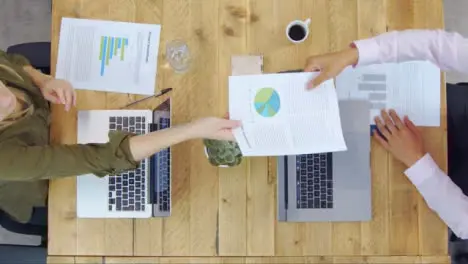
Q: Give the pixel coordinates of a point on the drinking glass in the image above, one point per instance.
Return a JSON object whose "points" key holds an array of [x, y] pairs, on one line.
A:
{"points": [[178, 55]]}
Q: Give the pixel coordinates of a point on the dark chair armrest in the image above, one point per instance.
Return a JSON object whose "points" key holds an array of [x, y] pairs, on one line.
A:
{"points": [[38, 54], [8, 223]]}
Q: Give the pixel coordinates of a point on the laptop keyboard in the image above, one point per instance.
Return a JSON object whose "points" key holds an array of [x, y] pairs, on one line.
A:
{"points": [[314, 181], [163, 184], [127, 191]]}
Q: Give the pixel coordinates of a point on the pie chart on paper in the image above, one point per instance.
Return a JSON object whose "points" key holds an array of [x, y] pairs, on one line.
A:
{"points": [[267, 102]]}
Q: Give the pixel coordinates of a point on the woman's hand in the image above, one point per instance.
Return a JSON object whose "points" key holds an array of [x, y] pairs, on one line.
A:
{"points": [[330, 65], [402, 138], [54, 90], [213, 128], [59, 92]]}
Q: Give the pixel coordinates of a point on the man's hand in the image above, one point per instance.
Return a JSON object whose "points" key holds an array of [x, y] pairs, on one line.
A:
{"points": [[401, 138], [330, 65]]}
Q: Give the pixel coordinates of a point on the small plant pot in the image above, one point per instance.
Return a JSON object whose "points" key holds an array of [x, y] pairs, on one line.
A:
{"points": [[223, 154]]}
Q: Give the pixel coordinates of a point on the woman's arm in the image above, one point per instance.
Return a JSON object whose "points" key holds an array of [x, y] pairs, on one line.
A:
{"points": [[20, 162], [38, 78], [54, 90], [447, 50], [441, 194]]}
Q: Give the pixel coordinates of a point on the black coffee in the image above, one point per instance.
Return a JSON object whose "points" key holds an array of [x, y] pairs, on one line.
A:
{"points": [[297, 33]]}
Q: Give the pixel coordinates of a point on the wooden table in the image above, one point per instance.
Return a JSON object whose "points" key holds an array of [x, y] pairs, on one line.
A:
{"points": [[232, 212]]}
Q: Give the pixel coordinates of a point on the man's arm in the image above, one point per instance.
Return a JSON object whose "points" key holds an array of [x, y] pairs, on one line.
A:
{"points": [[441, 194], [449, 51]]}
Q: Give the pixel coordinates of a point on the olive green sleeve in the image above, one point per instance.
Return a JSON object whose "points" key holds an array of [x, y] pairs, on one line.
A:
{"points": [[20, 162], [15, 58]]}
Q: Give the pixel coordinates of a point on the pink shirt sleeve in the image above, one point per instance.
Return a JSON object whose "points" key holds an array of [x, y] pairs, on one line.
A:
{"points": [[441, 194], [449, 51]]}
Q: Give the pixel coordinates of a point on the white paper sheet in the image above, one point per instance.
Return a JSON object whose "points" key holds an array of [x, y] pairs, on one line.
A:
{"points": [[280, 117], [109, 56], [411, 88]]}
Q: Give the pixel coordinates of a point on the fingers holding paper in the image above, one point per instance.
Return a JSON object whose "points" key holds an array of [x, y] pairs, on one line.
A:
{"points": [[214, 128], [329, 65]]}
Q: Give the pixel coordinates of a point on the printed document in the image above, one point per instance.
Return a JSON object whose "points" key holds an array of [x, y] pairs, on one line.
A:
{"points": [[411, 88], [280, 117], [109, 56]]}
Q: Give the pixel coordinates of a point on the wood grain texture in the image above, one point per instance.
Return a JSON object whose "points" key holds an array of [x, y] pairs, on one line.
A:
{"points": [[253, 260], [260, 209], [60, 260], [279, 260], [267, 36], [429, 15], [132, 260], [342, 31], [204, 184], [91, 233], [232, 220], [375, 233], [89, 260], [260, 185], [62, 193], [316, 237], [176, 229], [232, 212]]}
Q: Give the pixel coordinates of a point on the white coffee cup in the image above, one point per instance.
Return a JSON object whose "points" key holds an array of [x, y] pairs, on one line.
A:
{"points": [[297, 31]]}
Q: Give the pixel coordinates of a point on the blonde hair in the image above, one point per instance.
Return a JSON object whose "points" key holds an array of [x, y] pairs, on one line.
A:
{"points": [[27, 108]]}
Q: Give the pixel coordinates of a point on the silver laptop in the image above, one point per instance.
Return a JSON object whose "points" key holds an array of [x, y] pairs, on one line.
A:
{"points": [[330, 186], [141, 193]]}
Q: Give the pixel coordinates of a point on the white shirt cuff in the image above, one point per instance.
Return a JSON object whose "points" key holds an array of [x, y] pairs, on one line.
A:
{"points": [[369, 51], [423, 169]]}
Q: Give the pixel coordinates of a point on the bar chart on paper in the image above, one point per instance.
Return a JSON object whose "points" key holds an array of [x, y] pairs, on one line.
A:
{"points": [[410, 88], [109, 56], [111, 48]]}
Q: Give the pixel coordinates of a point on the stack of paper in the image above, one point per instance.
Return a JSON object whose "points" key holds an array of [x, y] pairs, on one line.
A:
{"points": [[280, 117]]}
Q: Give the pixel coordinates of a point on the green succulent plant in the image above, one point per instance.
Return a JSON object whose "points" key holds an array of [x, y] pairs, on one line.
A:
{"points": [[223, 153]]}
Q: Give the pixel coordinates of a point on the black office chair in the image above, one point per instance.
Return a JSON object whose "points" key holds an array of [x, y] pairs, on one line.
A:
{"points": [[38, 54], [36, 226]]}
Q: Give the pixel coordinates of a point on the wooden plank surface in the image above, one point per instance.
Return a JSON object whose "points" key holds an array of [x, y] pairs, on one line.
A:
{"points": [[60, 260], [342, 31], [317, 237], [202, 102], [232, 212], [176, 229], [260, 186], [232, 234], [148, 232], [429, 14], [255, 260], [375, 234], [62, 193], [403, 197]]}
